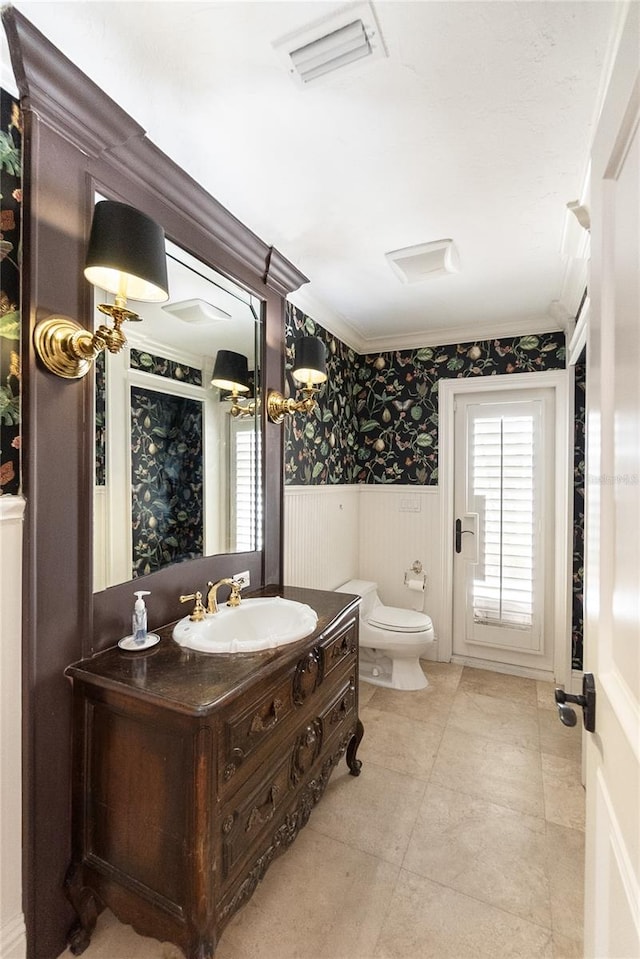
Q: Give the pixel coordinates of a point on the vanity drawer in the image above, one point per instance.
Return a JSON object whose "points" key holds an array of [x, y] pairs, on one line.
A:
{"points": [[258, 808], [244, 729], [340, 649]]}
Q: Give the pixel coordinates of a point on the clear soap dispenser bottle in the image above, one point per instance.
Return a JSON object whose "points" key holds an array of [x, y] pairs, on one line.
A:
{"points": [[139, 619]]}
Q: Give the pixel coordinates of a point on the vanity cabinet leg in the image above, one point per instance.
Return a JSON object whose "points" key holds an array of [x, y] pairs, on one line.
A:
{"points": [[355, 765], [87, 906]]}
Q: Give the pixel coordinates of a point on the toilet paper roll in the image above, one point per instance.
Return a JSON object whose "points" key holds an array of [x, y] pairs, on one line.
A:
{"points": [[415, 584]]}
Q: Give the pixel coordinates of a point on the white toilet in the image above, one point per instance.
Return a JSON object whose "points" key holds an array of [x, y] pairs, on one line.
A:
{"points": [[391, 639]]}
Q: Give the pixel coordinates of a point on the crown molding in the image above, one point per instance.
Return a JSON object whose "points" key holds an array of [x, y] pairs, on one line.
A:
{"points": [[281, 275], [331, 321], [61, 95], [557, 319]]}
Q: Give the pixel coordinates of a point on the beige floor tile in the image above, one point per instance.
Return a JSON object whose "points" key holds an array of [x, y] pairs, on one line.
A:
{"points": [[484, 850], [374, 812], [500, 719], [445, 672], [398, 743], [432, 704], [564, 795], [365, 692], [500, 685], [321, 900], [565, 866], [499, 772], [564, 948], [546, 695], [430, 921], [557, 739]]}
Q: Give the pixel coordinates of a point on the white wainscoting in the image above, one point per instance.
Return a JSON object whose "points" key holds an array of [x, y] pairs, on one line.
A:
{"points": [[13, 944], [321, 535], [336, 533]]}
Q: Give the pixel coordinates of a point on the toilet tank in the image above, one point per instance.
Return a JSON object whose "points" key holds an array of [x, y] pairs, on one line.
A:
{"points": [[367, 590]]}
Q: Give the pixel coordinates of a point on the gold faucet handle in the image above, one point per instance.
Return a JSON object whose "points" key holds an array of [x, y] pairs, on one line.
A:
{"points": [[234, 598], [198, 610]]}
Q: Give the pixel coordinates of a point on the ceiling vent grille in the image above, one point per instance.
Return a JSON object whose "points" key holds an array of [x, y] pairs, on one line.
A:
{"points": [[425, 261], [197, 312], [331, 44]]}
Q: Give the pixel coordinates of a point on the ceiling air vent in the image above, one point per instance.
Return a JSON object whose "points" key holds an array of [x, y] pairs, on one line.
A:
{"points": [[413, 264], [332, 44], [197, 312]]}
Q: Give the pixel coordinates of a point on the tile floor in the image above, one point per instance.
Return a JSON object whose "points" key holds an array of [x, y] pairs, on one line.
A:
{"points": [[463, 837]]}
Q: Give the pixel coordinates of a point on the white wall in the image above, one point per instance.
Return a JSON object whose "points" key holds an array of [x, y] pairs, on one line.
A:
{"points": [[336, 533], [12, 929]]}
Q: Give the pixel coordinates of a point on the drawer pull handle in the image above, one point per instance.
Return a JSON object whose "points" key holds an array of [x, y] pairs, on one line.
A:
{"points": [[345, 647], [260, 724], [262, 814]]}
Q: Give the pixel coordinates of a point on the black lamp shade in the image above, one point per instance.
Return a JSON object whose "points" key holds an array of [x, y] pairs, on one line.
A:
{"points": [[231, 371], [310, 364], [126, 253]]}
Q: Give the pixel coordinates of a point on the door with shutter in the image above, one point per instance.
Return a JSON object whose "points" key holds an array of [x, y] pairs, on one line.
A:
{"points": [[504, 508]]}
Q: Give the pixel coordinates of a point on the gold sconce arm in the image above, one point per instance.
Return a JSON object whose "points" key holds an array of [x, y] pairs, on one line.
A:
{"points": [[278, 406], [66, 348]]}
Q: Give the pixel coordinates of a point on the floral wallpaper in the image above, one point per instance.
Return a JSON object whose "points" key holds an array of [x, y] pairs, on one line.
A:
{"points": [[166, 479], [577, 621], [100, 414], [160, 366], [322, 448], [377, 416], [10, 255]]}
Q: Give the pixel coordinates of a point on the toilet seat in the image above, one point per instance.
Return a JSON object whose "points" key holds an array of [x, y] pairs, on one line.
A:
{"points": [[399, 620]]}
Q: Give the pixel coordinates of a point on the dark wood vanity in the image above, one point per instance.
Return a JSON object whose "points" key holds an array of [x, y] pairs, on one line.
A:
{"points": [[193, 771]]}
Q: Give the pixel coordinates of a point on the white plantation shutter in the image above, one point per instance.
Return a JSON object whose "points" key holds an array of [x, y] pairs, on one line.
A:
{"points": [[246, 505], [504, 446]]}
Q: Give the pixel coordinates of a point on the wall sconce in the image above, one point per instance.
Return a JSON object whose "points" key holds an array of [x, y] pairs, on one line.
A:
{"points": [[231, 372], [126, 256], [310, 369]]}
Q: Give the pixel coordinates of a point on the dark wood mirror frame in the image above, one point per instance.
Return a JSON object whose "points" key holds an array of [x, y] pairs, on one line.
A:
{"points": [[77, 141]]}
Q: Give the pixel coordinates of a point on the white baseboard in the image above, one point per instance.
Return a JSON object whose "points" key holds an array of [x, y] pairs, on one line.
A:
{"points": [[539, 674], [13, 938]]}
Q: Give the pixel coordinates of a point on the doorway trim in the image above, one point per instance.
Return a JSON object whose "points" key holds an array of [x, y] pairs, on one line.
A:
{"points": [[560, 381]]}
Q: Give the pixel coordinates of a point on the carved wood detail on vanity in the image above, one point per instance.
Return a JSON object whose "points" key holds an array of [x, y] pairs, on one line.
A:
{"points": [[190, 781]]}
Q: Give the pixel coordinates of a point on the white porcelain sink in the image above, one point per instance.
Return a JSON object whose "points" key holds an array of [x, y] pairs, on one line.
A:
{"points": [[263, 623]]}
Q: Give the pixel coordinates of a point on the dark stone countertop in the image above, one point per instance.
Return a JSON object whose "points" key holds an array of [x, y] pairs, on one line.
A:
{"points": [[193, 682]]}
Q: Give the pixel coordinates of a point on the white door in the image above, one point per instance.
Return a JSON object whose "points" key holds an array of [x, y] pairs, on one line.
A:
{"points": [[612, 621], [504, 498]]}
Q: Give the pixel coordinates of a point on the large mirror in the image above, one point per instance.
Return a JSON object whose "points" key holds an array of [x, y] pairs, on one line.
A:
{"points": [[177, 462]]}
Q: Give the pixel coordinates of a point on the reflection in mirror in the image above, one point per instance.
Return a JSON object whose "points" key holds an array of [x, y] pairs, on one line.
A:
{"points": [[177, 468]]}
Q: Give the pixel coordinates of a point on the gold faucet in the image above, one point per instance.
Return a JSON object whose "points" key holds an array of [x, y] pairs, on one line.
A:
{"points": [[198, 610], [234, 598]]}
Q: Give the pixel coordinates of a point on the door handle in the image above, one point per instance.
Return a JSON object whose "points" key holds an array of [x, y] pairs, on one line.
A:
{"points": [[460, 533], [587, 701]]}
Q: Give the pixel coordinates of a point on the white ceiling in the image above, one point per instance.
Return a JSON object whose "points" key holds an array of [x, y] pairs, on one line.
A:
{"points": [[476, 127]]}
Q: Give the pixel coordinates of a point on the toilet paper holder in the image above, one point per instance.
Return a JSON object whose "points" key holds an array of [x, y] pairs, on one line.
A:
{"points": [[415, 577]]}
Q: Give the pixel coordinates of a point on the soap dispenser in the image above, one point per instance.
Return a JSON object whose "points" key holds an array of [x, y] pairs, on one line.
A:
{"points": [[140, 638], [139, 618]]}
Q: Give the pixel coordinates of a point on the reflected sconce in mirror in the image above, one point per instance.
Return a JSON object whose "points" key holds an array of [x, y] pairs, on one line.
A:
{"points": [[126, 256], [231, 372], [310, 370]]}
